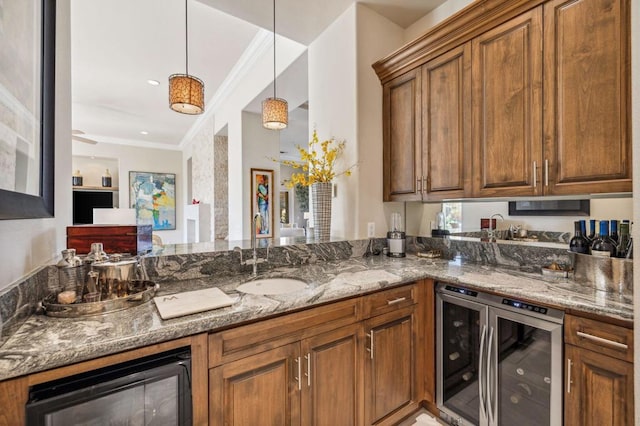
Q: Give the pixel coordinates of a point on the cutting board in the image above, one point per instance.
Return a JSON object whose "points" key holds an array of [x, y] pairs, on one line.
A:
{"points": [[191, 302]]}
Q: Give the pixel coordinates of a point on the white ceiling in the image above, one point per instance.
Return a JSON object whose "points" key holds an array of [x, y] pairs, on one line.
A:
{"points": [[118, 45]]}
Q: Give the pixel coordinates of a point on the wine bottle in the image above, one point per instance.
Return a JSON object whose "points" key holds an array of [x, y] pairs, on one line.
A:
{"points": [[578, 243], [614, 231], [583, 228], [592, 230], [623, 244], [602, 246]]}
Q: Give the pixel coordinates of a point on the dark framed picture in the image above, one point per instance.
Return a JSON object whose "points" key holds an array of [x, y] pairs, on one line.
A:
{"points": [[27, 76], [262, 202], [153, 196]]}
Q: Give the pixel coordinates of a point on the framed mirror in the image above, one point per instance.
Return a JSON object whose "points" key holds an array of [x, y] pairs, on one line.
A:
{"points": [[27, 86]]}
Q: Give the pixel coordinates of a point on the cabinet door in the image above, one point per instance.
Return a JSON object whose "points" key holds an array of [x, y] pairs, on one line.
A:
{"points": [[402, 180], [330, 378], [259, 389], [390, 373], [446, 123], [587, 96], [507, 108], [600, 389]]}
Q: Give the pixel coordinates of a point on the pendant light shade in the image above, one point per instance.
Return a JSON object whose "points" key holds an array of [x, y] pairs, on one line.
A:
{"points": [[186, 92], [275, 111]]}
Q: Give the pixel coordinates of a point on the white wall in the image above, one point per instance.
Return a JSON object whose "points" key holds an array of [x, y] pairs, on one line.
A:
{"points": [[433, 18], [376, 37], [345, 101], [27, 244], [236, 177], [332, 109], [142, 159], [259, 146], [93, 168]]}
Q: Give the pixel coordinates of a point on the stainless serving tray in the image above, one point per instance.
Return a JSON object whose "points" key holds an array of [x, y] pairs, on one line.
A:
{"points": [[144, 291]]}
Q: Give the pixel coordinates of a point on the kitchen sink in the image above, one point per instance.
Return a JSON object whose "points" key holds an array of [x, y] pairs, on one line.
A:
{"points": [[270, 286]]}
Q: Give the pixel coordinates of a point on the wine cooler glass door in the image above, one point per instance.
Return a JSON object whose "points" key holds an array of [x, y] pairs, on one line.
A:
{"points": [[461, 359], [524, 377]]}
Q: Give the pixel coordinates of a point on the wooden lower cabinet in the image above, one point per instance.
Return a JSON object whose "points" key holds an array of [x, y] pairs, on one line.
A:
{"points": [[390, 372], [598, 373], [601, 389], [259, 389], [368, 372], [330, 378]]}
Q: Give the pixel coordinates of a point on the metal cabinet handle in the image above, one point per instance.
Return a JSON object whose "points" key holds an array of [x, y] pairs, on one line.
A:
{"points": [[602, 340], [569, 382], [396, 300], [297, 378], [535, 174], [308, 373], [425, 183], [546, 172], [481, 375], [490, 383], [370, 348], [419, 184]]}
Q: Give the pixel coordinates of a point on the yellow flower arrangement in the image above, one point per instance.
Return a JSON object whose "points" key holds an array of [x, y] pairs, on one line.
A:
{"points": [[317, 162]]}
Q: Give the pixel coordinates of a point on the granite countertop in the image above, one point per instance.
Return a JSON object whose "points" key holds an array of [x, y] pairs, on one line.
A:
{"points": [[45, 342]]}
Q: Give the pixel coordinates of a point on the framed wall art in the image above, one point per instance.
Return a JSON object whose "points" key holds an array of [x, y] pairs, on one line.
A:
{"points": [[262, 202], [153, 196], [27, 81]]}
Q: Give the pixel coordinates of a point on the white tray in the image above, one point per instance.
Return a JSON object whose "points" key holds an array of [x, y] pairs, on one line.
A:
{"points": [[191, 302]]}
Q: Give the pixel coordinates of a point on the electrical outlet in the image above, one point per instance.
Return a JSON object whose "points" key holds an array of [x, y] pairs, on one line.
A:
{"points": [[371, 229]]}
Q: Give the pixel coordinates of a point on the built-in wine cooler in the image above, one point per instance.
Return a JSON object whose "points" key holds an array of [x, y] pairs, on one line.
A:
{"points": [[155, 390], [499, 360]]}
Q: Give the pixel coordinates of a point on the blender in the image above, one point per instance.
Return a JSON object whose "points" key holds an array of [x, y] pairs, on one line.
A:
{"points": [[396, 239]]}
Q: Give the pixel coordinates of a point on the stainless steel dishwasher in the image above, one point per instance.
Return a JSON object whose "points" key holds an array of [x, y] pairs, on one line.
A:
{"points": [[499, 359]]}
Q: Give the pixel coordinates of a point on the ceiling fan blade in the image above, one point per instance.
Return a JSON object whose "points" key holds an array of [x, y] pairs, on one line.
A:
{"points": [[85, 140]]}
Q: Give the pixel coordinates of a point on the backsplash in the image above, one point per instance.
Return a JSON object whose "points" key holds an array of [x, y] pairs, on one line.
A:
{"points": [[523, 256], [541, 236], [20, 301]]}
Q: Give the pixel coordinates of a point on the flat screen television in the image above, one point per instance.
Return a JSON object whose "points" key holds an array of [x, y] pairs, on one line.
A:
{"points": [[85, 201]]}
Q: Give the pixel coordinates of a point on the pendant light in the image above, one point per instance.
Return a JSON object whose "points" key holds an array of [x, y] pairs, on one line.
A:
{"points": [[186, 92], [275, 111]]}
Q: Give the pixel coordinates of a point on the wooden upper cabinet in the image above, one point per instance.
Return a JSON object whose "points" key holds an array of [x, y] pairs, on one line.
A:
{"points": [[507, 108], [587, 90], [446, 123], [401, 146]]}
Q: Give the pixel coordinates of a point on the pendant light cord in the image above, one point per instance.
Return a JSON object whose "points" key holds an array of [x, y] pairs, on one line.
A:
{"points": [[274, 49], [186, 36]]}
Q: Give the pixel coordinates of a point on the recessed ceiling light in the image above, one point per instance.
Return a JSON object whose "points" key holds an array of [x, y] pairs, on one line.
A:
{"points": [[144, 132], [153, 82]]}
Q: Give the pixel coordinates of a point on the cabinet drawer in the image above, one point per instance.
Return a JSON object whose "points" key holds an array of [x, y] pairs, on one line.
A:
{"points": [[389, 300], [243, 341], [608, 339]]}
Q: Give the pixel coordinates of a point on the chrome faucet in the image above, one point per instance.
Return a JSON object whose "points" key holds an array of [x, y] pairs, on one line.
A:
{"points": [[255, 260], [491, 230]]}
